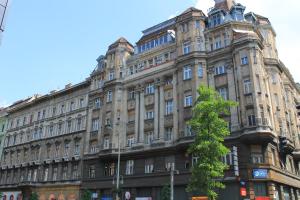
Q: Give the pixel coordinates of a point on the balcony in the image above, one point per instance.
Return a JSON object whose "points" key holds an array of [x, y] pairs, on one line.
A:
{"points": [[168, 120], [149, 100], [149, 124], [131, 104], [130, 127], [286, 145]]}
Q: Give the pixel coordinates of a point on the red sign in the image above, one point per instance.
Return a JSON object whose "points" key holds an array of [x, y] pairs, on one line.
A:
{"points": [[262, 198], [243, 192], [199, 198]]}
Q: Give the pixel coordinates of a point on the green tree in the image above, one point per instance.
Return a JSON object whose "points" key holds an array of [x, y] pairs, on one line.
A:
{"points": [[210, 131], [34, 196], [87, 195], [165, 192]]}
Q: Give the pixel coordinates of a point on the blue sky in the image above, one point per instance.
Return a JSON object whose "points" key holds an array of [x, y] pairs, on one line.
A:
{"points": [[50, 43]]}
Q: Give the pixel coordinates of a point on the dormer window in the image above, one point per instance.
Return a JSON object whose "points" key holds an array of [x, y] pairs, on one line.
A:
{"points": [[216, 20]]}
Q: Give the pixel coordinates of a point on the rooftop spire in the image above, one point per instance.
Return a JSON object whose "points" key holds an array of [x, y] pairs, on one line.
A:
{"points": [[224, 4]]}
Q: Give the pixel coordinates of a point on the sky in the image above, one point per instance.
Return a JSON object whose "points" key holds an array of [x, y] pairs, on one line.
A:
{"points": [[50, 43]]}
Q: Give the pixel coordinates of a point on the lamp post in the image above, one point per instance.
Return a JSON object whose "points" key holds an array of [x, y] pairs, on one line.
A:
{"points": [[119, 161], [172, 181]]}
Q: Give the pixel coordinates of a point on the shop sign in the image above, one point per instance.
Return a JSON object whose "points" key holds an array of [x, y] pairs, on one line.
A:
{"points": [[260, 173], [143, 198]]}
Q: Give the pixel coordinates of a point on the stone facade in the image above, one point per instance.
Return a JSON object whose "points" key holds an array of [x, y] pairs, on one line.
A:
{"points": [[139, 98], [3, 126], [44, 143]]}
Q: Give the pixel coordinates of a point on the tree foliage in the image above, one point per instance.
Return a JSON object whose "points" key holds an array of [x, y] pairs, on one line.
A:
{"points": [[87, 195], [165, 192], [34, 196], [210, 131]]}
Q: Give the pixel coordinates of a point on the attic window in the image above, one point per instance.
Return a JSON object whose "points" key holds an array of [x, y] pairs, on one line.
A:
{"points": [[216, 19]]}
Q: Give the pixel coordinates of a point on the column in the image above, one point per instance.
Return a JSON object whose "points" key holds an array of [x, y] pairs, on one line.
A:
{"points": [[161, 113], [137, 118], [86, 139], [142, 113], [156, 113], [175, 109], [232, 96]]}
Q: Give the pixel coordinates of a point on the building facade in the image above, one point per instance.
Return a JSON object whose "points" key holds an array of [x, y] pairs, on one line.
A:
{"points": [[44, 144], [3, 125], [139, 99]]}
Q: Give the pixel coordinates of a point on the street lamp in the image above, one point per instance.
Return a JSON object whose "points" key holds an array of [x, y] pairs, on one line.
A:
{"points": [[172, 180], [119, 160]]}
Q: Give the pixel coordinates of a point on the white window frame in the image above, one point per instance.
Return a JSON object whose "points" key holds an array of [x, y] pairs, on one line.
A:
{"points": [[223, 93], [188, 101], [129, 167], [130, 141], [200, 71], [106, 143], [187, 73], [186, 47], [149, 115], [169, 107], [150, 88], [111, 75], [220, 70], [247, 86], [109, 96]]}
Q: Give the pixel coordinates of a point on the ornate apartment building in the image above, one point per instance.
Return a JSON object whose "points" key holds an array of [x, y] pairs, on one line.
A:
{"points": [[44, 144], [139, 98]]}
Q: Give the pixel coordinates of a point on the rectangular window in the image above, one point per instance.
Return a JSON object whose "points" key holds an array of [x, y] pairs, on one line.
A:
{"points": [[72, 105], [129, 167], [75, 174], [130, 141], [149, 137], [188, 101], [149, 115], [149, 166], [106, 143], [81, 102], [46, 171], [197, 24], [169, 163], [260, 189], [247, 86], [97, 103], [244, 60], [169, 107], [150, 88], [95, 124], [200, 71], [220, 70], [188, 130], [92, 171], [131, 94], [187, 73], [77, 148], [66, 149], [218, 43], [109, 96], [168, 133], [273, 156], [186, 48], [54, 175], [65, 172], [223, 93], [111, 75], [251, 120]]}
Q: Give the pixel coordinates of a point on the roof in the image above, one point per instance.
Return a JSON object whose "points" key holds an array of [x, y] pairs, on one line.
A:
{"points": [[190, 9], [119, 41]]}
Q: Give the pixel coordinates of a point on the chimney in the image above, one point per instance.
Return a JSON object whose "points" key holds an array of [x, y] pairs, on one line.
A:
{"points": [[224, 4]]}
